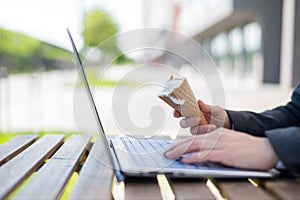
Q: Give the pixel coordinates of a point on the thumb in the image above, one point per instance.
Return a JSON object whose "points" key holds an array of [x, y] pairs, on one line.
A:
{"points": [[204, 107]]}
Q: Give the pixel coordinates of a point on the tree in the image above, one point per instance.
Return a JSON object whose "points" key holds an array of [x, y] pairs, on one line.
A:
{"points": [[98, 27]]}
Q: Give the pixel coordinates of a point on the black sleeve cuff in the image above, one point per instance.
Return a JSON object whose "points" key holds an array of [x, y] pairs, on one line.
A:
{"points": [[244, 121], [286, 144]]}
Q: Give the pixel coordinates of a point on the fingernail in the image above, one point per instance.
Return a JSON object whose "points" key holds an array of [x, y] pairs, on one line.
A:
{"points": [[168, 154], [181, 123]]}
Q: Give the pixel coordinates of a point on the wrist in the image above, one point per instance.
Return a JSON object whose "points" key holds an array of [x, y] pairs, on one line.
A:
{"points": [[227, 122]]}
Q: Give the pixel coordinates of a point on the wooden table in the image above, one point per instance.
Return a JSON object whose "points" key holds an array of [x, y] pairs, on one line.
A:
{"points": [[39, 168]]}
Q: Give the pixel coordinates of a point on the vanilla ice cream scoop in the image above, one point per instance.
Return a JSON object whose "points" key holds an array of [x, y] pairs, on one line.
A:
{"points": [[169, 87], [178, 94]]}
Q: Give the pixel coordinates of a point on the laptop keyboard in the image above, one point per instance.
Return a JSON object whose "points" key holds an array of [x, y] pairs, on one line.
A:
{"points": [[151, 151], [144, 145]]}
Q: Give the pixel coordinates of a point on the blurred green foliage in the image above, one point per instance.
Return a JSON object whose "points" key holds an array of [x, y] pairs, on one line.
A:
{"points": [[99, 28], [18, 44], [21, 53], [55, 53]]}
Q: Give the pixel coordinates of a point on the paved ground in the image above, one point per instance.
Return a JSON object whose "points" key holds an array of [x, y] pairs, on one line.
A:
{"points": [[44, 101]]}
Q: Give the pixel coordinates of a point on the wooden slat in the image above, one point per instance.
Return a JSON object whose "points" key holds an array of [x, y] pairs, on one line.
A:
{"points": [[242, 190], [284, 189], [19, 168], [95, 178], [50, 180], [190, 189], [14, 146], [142, 188]]}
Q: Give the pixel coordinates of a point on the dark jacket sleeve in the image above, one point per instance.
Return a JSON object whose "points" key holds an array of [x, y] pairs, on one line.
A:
{"points": [[282, 127], [286, 144], [258, 123]]}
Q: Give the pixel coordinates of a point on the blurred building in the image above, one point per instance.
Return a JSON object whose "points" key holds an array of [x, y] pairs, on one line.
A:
{"points": [[255, 40]]}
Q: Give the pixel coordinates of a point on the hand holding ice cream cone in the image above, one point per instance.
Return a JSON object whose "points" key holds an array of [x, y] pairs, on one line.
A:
{"points": [[179, 95]]}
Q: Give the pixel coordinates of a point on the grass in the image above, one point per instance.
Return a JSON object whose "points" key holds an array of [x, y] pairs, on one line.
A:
{"points": [[4, 137], [66, 193], [94, 80]]}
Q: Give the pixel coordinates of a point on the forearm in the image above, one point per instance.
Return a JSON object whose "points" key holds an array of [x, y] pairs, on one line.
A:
{"points": [[280, 117], [257, 123]]}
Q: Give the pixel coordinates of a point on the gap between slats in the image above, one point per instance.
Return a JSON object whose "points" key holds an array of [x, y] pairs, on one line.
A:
{"points": [[66, 160], [15, 146], [29, 161]]}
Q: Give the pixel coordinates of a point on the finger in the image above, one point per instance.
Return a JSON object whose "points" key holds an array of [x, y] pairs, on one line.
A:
{"points": [[204, 107], [176, 114], [176, 145], [182, 148], [197, 130], [190, 122], [202, 141], [213, 155]]}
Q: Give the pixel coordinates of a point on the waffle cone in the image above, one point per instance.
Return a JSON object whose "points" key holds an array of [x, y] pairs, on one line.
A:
{"points": [[190, 107], [170, 102]]}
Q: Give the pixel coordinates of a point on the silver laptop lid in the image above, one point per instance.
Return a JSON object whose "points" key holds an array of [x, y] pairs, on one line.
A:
{"points": [[112, 161], [85, 83]]}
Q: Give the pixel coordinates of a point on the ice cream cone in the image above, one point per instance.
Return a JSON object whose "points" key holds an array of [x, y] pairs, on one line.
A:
{"points": [[183, 100]]}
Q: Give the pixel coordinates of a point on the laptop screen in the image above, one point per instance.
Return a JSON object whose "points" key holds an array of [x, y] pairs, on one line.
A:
{"points": [[85, 83]]}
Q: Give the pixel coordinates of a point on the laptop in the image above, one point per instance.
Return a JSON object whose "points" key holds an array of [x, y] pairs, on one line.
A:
{"points": [[143, 157]]}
